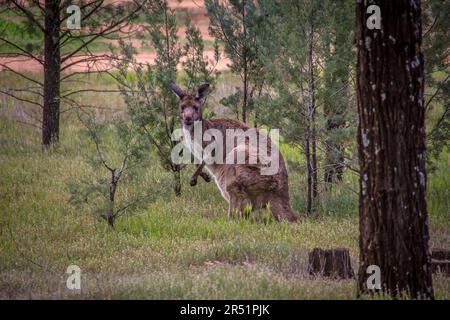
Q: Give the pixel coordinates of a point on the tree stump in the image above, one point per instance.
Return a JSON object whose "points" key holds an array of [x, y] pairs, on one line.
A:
{"points": [[440, 254], [334, 263], [440, 261]]}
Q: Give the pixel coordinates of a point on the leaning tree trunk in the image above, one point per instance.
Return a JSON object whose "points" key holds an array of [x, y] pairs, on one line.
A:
{"points": [[50, 121], [391, 137]]}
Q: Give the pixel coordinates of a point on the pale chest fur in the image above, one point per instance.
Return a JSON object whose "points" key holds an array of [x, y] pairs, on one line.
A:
{"points": [[219, 178], [195, 149]]}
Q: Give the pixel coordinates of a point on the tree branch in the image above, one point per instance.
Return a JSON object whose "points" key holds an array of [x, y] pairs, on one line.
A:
{"points": [[29, 15], [109, 29], [28, 54]]}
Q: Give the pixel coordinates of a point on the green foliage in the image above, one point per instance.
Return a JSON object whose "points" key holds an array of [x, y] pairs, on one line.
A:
{"points": [[234, 23], [198, 70], [436, 29], [120, 150], [176, 247], [24, 34], [227, 22], [152, 107], [233, 102], [283, 42], [21, 31], [310, 100], [184, 247]]}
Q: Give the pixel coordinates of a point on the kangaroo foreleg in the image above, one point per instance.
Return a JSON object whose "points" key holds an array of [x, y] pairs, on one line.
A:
{"points": [[205, 176], [199, 172]]}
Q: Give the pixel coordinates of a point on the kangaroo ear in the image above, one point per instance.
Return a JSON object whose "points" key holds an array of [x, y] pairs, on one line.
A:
{"points": [[180, 92], [202, 92]]}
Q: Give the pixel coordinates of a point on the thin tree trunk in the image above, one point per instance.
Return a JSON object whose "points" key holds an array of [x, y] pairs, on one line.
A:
{"points": [[312, 111], [244, 54], [52, 63], [336, 102], [329, 164], [110, 218], [340, 165], [308, 171], [255, 123], [391, 137], [244, 103], [314, 158], [177, 180]]}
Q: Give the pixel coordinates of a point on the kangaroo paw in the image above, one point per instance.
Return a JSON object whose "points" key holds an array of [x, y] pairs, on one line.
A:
{"points": [[193, 181], [205, 176]]}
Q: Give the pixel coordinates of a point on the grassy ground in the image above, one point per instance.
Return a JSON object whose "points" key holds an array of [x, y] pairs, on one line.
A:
{"points": [[178, 247]]}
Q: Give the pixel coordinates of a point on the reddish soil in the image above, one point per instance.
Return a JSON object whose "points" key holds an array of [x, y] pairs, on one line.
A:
{"points": [[195, 9]]}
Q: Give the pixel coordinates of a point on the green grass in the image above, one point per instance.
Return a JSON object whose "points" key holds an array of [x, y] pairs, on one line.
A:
{"points": [[177, 247]]}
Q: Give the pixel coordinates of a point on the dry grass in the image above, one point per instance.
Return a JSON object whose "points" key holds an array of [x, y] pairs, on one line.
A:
{"points": [[178, 247]]}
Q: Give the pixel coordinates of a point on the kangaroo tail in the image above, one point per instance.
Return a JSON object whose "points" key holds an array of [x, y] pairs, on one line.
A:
{"points": [[283, 211]]}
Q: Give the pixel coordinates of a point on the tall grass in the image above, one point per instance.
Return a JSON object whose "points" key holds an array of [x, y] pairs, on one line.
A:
{"points": [[177, 247]]}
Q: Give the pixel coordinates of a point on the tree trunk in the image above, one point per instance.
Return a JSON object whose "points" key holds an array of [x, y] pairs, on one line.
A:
{"points": [[334, 160], [335, 104], [110, 217], [329, 164], [244, 54], [333, 263], [52, 62], [311, 115], [314, 159], [309, 172], [391, 138], [177, 180], [340, 165], [244, 98]]}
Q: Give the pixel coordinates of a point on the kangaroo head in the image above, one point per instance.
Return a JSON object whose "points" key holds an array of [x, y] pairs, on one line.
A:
{"points": [[191, 104]]}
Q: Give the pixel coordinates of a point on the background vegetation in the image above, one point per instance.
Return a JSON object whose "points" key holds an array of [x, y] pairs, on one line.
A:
{"points": [[180, 247]]}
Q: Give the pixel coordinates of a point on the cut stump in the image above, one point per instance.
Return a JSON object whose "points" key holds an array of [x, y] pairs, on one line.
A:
{"points": [[440, 261], [440, 254], [334, 263], [442, 266]]}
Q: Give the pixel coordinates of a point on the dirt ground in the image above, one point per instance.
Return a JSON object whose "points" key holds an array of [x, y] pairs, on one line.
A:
{"points": [[195, 9]]}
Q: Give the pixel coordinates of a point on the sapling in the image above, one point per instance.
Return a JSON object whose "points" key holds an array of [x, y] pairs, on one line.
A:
{"points": [[119, 150]]}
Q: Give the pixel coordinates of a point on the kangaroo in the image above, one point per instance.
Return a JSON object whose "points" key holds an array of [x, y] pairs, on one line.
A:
{"points": [[239, 184]]}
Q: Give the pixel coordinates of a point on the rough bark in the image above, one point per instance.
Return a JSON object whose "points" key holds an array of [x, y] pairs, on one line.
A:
{"points": [[391, 137], [52, 63]]}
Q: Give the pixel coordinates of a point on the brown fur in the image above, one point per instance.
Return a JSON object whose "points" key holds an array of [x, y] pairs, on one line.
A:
{"points": [[240, 184]]}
